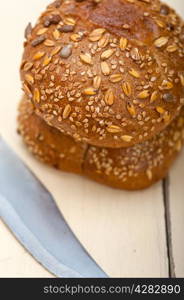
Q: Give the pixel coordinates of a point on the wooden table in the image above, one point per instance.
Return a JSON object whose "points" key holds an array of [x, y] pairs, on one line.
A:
{"points": [[129, 234]]}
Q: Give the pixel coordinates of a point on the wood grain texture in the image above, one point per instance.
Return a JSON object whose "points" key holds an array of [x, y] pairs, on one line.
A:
{"points": [[176, 203], [125, 232], [15, 261], [176, 198]]}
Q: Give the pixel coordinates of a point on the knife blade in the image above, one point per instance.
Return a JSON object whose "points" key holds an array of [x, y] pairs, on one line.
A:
{"points": [[30, 212]]}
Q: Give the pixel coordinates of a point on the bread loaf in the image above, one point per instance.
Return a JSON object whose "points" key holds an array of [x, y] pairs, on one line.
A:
{"points": [[47, 144], [132, 168], [108, 73]]}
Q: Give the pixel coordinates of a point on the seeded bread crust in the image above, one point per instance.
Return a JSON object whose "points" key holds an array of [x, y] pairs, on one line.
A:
{"points": [[132, 168], [109, 73], [47, 143]]}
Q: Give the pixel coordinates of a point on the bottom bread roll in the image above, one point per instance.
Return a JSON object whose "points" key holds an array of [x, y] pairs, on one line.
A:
{"points": [[131, 168], [46, 142]]}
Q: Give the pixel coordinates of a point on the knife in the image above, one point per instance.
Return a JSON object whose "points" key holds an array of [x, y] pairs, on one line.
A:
{"points": [[30, 212]]}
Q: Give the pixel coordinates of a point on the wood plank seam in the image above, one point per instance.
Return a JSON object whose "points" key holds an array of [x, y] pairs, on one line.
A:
{"points": [[168, 227]]}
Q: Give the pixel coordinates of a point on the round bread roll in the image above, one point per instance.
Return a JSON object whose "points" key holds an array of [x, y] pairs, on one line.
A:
{"points": [[46, 143], [132, 168], [106, 72]]}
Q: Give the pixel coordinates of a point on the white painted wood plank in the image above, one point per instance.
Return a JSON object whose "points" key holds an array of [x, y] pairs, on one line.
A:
{"points": [[123, 231], [15, 260], [176, 193]]}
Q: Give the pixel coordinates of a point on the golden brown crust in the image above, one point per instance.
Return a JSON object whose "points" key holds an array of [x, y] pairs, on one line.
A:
{"points": [[139, 166], [132, 168], [46, 143], [110, 74]]}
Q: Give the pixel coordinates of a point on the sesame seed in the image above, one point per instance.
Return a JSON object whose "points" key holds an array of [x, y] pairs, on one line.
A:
{"points": [[67, 111]]}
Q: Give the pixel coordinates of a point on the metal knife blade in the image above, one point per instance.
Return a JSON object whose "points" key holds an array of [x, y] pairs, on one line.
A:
{"points": [[30, 212]]}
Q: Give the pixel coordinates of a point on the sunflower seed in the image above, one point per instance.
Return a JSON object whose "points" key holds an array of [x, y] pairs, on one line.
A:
{"points": [[28, 30], [164, 10], [49, 20], [66, 28], [168, 97], [57, 3], [39, 40]]}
